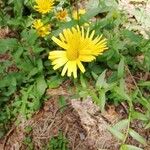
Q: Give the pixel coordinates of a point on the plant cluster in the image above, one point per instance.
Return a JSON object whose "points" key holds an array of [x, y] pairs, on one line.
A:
{"points": [[31, 62]]}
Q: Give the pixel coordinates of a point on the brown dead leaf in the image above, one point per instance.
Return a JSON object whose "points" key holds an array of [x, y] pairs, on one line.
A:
{"points": [[57, 92]]}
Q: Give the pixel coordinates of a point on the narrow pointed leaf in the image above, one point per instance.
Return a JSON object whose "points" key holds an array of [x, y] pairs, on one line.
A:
{"points": [[147, 126], [121, 124], [101, 80], [129, 147], [116, 133], [102, 99], [121, 68], [137, 137]]}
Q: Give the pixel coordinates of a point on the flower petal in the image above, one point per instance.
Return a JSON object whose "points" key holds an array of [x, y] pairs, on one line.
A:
{"points": [[92, 34], [59, 42], [64, 69], [86, 58], [56, 54], [59, 62], [69, 69], [81, 67], [74, 68]]}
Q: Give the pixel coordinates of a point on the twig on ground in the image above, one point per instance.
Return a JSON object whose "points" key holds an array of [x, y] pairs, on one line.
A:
{"points": [[7, 136]]}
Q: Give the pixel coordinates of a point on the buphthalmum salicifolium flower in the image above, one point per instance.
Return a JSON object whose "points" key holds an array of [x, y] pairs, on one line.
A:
{"points": [[77, 13], [62, 15], [41, 29], [79, 46], [44, 6]]}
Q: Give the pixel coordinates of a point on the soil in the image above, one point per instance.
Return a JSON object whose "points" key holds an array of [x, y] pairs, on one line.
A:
{"points": [[81, 122]]}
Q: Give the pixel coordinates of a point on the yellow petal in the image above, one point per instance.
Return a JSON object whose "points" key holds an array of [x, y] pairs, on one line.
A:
{"points": [[59, 63], [59, 42], [56, 54], [86, 58], [60, 60], [69, 68], [92, 34], [64, 69], [67, 34], [72, 68], [62, 37], [75, 70], [81, 67]]}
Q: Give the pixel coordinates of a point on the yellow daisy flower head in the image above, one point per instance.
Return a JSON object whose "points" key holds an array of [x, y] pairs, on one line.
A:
{"points": [[62, 15], [79, 46], [77, 13], [44, 6], [41, 29]]}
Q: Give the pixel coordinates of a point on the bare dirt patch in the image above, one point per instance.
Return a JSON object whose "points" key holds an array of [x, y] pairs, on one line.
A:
{"points": [[81, 122]]}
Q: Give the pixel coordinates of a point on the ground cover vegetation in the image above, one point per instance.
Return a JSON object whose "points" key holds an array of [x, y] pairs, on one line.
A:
{"points": [[45, 43]]}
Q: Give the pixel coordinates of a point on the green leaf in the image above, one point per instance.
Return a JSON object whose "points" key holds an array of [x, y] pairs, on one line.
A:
{"points": [[37, 49], [129, 147], [137, 0], [116, 133], [41, 85], [8, 44], [144, 83], [137, 137], [109, 3], [18, 7], [7, 80], [94, 75], [93, 12], [122, 93], [94, 97], [62, 102], [33, 72], [101, 80], [29, 36], [39, 65], [145, 102], [147, 126], [92, 4], [139, 116], [83, 81], [102, 99], [17, 54], [121, 124], [54, 82], [121, 68], [122, 84], [132, 36], [26, 65], [24, 99], [65, 25]]}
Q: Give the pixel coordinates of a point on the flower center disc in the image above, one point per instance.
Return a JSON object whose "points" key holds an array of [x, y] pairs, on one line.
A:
{"points": [[72, 54]]}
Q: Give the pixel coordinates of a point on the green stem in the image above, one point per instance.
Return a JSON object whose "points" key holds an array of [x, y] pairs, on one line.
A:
{"points": [[77, 7], [130, 105], [129, 122], [140, 93]]}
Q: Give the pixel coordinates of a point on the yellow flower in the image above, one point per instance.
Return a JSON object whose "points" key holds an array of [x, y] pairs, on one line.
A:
{"points": [[44, 6], [79, 46], [41, 29], [62, 15], [76, 14]]}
